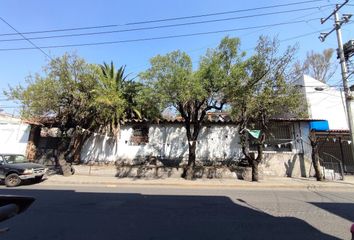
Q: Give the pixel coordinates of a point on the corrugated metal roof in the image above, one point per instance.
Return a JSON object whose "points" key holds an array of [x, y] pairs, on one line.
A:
{"points": [[334, 131], [215, 120], [297, 119]]}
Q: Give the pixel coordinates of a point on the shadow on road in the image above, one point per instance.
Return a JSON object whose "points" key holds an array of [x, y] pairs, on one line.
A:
{"points": [[344, 210], [63, 214]]}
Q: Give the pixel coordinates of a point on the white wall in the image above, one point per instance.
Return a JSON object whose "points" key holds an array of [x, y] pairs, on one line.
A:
{"points": [[169, 141], [328, 104], [216, 142], [14, 137]]}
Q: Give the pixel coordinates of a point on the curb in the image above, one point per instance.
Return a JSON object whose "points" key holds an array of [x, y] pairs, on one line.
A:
{"points": [[193, 184]]}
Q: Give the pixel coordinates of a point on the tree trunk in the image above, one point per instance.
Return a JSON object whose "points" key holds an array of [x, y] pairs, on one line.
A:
{"points": [[76, 146], [316, 163], [70, 148], [253, 161], [315, 157], [31, 150], [255, 174], [61, 163], [256, 161], [188, 172]]}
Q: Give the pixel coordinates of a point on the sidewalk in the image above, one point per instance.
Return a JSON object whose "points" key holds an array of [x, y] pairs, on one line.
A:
{"points": [[268, 182]]}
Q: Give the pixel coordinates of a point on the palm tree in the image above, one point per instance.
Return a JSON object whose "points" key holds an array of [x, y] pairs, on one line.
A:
{"points": [[116, 96]]}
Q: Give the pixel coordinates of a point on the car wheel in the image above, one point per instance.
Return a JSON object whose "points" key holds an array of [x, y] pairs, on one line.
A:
{"points": [[38, 179], [12, 180]]}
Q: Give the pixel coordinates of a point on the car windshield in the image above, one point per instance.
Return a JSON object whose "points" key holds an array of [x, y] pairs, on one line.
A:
{"points": [[15, 159]]}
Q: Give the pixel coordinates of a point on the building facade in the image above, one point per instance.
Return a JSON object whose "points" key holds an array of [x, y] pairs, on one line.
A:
{"points": [[14, 134], [287, 153]]}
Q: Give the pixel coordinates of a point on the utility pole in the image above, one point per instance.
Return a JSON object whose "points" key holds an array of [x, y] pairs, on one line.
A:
{"points": [[348, 96]]}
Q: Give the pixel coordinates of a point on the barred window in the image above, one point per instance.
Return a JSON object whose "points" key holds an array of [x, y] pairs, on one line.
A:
{"points": [[279, 138], [140, 135]]}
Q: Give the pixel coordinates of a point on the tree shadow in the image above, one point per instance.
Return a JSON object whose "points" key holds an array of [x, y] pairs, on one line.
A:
{"points": [[150, 167], [64, 214], [290, 165], [173, 145], [99, 148]]}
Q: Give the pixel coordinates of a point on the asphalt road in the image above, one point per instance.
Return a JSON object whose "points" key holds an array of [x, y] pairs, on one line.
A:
{"points": [[84, 212]]}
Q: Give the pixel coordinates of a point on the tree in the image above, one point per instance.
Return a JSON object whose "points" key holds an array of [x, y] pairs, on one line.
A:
{"points": [[80, 98], [317, 65], [109, 98], [314, 141], [62, 97], [120, 98], [193, 93], [262, 93]]}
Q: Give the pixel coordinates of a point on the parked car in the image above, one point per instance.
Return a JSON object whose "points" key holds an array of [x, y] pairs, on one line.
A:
{"points": [[14, 168]]}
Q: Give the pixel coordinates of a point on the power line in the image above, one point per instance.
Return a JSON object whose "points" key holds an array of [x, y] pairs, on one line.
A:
{"points": [[166, 19], [303, 35], [63, 29], [36, 47], [222, 13], [161, 37], [257, 31], [162, 26]]}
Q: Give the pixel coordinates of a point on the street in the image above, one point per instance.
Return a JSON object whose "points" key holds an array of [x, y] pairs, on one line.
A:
{"points": [[153, 212]]}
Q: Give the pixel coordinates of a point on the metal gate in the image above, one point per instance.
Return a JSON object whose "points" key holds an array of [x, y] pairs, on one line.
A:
{"points": [[337, 144]]}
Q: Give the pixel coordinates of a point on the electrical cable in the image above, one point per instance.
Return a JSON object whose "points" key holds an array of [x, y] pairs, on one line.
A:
{"points": [[157, 38], [158, 27], [33, 44], [222, 13], [165, 19]]}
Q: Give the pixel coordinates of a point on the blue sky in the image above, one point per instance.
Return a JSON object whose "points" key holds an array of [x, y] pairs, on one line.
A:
{"points": [[38, 15]]}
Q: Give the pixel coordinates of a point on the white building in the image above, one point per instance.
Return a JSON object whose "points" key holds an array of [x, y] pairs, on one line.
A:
{"points": [[328, 103], [286, 154], [325, 102], [14, 134]]}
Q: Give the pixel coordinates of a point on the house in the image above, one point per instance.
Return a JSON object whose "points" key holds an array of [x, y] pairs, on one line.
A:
{"points": [[326, 102], [287, 149], [287, 152], [14, 134]]}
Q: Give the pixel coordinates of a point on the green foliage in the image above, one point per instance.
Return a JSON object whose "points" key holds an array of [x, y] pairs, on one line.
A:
{"points": [[193, 93], [64, 92], [173, 83], [171, 78], [264, 90], [77, 94], [122, 98], [148, 102], [108, 97]]}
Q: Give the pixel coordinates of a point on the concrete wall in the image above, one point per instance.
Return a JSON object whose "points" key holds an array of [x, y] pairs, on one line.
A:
{"points": [[286, 165], [328, 104], [14, 137], [216, 143]]}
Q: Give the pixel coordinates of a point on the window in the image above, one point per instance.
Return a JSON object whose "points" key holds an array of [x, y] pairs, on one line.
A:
{"points": [[140, 135], [278, 139], [15, 158]]}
